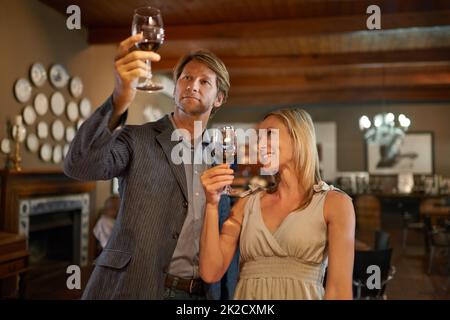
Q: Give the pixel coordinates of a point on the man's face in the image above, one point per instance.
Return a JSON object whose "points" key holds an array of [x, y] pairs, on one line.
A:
{"points": [[196, 90]]}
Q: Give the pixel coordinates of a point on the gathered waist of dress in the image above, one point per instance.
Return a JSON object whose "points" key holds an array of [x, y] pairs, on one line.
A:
{"points": [[282, 267]]}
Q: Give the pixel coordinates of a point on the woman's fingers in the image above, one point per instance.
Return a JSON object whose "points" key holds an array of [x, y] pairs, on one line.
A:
{"points": [[217, 186]]}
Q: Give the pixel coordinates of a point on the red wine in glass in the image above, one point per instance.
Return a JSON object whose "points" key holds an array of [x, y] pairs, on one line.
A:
{"points": [[148, 20]]}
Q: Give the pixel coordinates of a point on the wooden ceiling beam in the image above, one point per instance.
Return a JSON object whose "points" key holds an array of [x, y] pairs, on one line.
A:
{"points": [[262, 63], [439, 93], [277, 28]]}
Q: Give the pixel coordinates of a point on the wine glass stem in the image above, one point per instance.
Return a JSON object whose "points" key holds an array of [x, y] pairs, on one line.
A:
{"points": [[149, 68]]}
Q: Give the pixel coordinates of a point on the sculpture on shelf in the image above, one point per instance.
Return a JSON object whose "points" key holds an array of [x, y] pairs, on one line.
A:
{"points": [[19, 133]]}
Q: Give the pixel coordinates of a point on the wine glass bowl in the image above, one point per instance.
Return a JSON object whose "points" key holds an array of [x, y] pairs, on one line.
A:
{"points": [[148, 20], [225, 140]]}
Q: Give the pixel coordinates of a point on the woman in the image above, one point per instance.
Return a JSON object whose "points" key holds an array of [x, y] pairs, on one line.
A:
{"points": [[286, 237]]}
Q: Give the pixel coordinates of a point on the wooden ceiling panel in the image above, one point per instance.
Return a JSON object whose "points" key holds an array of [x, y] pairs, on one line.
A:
{"points": [[294, 51]]}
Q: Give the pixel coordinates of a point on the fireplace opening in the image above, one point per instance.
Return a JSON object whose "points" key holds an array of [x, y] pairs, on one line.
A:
{"points": [[54, 242]]}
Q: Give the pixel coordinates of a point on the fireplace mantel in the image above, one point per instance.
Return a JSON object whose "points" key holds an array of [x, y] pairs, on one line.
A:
{"points": [[40, 183]]}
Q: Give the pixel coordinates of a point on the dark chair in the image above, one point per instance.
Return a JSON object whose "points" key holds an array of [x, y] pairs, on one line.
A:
{"points": [[381, 240], [361, 274], [410, 222], [435, 239]]}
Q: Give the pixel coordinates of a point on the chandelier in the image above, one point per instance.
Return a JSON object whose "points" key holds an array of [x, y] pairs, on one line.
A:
{"points": [[384, 128]]}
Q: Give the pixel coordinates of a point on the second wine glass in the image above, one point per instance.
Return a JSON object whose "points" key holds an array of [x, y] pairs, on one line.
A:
{"points": [[148, 20], [225, 139]]}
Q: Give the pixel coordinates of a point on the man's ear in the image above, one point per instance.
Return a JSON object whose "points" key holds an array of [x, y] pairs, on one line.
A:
{"points": [[219, 99]]}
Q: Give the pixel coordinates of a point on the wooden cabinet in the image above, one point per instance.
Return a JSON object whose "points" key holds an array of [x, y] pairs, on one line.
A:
{"points": [[13, 264]]}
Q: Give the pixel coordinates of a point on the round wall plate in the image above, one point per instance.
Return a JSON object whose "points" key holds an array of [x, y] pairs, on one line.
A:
{"points": [[22, 90], [65, 150], [42, 130], [58, 76], [79, 123], [46, 152], [76, 87], [70, 134], [29, 115], [38, 74], [57, 154], [72, 111], [85, 107], [57, 103], [32, 142], [41, 104], [6, 145], [58, 130]]}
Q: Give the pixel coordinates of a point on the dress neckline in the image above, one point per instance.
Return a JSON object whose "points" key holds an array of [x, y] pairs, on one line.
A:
{"points": [[318, 188]]}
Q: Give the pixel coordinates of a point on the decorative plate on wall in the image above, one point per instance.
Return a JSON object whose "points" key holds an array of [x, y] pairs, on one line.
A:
{"points": [[65, 150], [85, 107], [22, 90], [57, 103], [79, 123], [6, 145], [70, 134], [38, 75], [58, 76], [72, 111], [46, 152], [32, 142], [42, 130], [29, 115], [58, 130], [41, 104], [57, 154], [76, 87]]}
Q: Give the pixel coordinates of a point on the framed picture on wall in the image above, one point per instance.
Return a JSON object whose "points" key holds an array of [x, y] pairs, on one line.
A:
{"points": [[412, 154]]}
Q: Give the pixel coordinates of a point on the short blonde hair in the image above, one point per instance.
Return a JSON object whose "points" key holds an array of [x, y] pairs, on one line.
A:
{"points": [[301, 130], [211, 61]]}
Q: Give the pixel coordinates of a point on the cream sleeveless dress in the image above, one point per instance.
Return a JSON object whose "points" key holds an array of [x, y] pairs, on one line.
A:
{"points": [[291, 262]]}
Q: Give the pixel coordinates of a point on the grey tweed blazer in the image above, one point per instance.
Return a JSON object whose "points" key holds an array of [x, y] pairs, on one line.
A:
{"points": [[154, 204]]}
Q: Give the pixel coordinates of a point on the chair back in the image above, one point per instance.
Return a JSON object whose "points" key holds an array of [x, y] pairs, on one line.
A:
{"points": [[381, 240], [368, 213], [364, 259]]}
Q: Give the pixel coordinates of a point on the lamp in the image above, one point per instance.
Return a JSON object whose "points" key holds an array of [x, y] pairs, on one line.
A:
{"points": [[384, 129]]}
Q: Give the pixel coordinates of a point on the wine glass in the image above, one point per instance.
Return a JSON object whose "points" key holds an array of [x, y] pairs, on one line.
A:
{"points": [[225, 140], [148, 20]]}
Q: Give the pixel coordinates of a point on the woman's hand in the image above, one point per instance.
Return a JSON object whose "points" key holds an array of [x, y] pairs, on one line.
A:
{"points": [[214, 181]]}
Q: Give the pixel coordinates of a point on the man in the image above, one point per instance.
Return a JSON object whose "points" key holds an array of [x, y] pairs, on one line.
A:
{"points": [[153, 249]]}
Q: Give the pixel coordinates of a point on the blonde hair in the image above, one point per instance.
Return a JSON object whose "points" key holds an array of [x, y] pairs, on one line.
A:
{"points": [[301, 130], [213, 62]]}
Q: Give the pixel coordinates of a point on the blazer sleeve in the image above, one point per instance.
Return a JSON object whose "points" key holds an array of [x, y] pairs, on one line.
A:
{"points": [[96, 153]]}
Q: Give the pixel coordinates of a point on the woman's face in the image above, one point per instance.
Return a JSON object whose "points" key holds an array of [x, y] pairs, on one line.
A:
{"points": [[278, 152]]}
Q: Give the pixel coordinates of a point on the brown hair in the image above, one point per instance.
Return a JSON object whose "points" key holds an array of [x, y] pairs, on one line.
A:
{"points": [[211, 61]]}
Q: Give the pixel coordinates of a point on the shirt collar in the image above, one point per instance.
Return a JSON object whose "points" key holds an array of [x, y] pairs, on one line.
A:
{"points": [[206, 138]]}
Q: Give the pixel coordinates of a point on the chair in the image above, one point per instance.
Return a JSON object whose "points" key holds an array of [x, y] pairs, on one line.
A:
{"points": [[381, 240], [411, 221], [435, 239], [361, 274], [368, 213]]}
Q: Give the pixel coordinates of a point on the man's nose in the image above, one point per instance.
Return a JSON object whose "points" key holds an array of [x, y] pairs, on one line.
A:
{"points": [[195, 85]]}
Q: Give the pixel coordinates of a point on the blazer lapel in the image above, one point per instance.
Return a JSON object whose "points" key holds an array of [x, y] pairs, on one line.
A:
{"points": [[166, 129]]}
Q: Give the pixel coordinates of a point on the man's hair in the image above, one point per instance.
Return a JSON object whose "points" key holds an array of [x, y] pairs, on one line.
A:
{"points": [[211, 61]]}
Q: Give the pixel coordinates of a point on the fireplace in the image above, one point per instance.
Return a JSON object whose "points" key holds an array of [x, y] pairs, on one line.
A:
{"points": [[57, 215], [57, 228]]}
